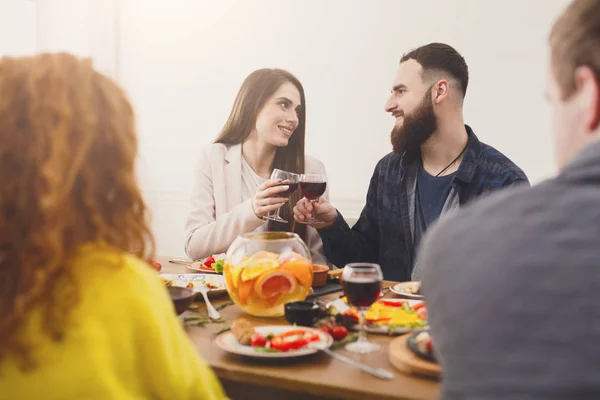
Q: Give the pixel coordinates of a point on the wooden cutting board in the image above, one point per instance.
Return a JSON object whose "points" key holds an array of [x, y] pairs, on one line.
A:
{"points": [[402, 358]]}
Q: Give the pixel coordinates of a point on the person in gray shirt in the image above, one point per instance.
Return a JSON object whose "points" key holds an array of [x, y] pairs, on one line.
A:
{"points": [[512, 282]]}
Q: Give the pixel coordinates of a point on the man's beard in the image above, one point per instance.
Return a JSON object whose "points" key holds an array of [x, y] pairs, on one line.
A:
{"points": [[416, 128]]}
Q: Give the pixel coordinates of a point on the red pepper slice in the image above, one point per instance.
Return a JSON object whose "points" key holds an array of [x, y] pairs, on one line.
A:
{"points": [[391, 303], [378, 319], [293, 340]]}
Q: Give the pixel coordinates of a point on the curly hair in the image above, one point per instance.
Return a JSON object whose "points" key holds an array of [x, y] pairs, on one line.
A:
{"points": [[67, 163]]}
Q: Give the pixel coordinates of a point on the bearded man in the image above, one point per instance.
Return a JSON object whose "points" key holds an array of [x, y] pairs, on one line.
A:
{"points": [[437, 165]]}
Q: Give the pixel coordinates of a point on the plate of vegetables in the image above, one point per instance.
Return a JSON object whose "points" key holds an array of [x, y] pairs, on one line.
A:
{"points": [[386, 316], [272, 341], [210, 265]]}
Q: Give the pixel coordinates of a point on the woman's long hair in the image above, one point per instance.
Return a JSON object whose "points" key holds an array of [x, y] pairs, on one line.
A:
{"points": [[67, 156], [256, 89]]}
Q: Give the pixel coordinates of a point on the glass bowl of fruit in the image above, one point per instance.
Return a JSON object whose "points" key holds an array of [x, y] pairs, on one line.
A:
{"points": [[265, 270]]}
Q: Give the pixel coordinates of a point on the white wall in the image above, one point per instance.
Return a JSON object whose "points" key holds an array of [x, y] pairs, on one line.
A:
{"points": [[17, 27], [182, 62]]}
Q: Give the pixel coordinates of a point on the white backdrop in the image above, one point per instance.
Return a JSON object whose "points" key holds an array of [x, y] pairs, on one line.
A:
{"points": [[182, 62]]}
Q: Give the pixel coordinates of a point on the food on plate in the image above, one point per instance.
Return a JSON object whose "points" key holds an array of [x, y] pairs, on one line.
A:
{"points": [[194, 283], [335, 273], [412, 287], [424, 343], [258, 340], [243, 331], [394, 314], [208, 261], [339, 332], [218, 266], [213, 263], [293, 340], [330, 326], [262, 283], [286, 341]]}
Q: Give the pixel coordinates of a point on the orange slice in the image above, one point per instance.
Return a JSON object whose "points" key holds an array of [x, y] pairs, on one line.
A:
{"points": [[301, 271], [235, 275], [274, 283], [227, 273], [298, 266], [244, 291], [258, 267]]}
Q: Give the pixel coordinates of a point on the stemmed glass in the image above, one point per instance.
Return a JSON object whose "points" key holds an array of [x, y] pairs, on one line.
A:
{"points": [[287, 178], [362, 287], [312, 187]]}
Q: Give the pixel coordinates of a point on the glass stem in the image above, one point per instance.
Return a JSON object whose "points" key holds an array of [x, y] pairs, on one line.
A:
{"points": [[362, 334]]}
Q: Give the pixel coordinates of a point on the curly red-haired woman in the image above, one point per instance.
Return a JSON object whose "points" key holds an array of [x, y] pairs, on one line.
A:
{"points": [[82, 314]]}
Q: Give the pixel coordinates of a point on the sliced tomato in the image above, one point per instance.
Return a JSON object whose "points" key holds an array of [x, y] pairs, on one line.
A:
{"points": [[205, 268], [258, 340], [418, 306], [422, 313]]}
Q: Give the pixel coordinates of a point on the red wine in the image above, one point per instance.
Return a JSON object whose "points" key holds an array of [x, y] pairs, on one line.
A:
{"points": [[288, 193], [362, 291], [313, 190]]}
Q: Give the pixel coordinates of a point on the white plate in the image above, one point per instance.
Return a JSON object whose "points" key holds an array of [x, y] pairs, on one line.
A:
{"points": [[198, 280], [402, 290], [383, 329], [229, 343]]}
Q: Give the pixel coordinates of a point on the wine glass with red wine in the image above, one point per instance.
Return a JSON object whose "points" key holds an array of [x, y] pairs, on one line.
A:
{"points": [[287, 178], [312, 187], [362, 286]]}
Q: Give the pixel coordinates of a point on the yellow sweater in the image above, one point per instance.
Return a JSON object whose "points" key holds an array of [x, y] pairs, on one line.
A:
{"points": [[124, 342]]}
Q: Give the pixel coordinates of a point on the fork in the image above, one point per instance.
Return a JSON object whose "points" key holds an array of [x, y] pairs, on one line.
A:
{"points": [[212, 312]]}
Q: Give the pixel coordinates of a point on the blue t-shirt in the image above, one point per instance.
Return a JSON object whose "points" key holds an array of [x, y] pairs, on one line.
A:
{"points": [[431, 195]]}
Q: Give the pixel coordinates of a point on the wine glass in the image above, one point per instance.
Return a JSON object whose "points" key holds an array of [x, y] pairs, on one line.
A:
{"points": [[362, 287], [312, 187], [287, 178]]}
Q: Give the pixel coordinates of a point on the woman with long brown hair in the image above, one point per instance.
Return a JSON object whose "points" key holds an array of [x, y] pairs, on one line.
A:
{"points": [[82, 314], [233, 192]]}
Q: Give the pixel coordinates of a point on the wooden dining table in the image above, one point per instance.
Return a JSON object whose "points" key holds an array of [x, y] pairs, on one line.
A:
{"points": [[317, 376]]}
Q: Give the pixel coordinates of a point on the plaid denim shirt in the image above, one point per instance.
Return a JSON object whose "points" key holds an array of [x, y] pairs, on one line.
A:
{"points": [[384, 232]]}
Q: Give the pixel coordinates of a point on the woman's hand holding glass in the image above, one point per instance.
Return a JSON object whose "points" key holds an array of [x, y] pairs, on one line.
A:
{"points": [[269, 197]]}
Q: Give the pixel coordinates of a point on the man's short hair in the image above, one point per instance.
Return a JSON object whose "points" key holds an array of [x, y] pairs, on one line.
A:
{"points": [[440, 58], [575, 42]]}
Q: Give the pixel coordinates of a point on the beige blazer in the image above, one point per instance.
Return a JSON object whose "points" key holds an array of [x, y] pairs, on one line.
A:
{"points": [[218, 215]]}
